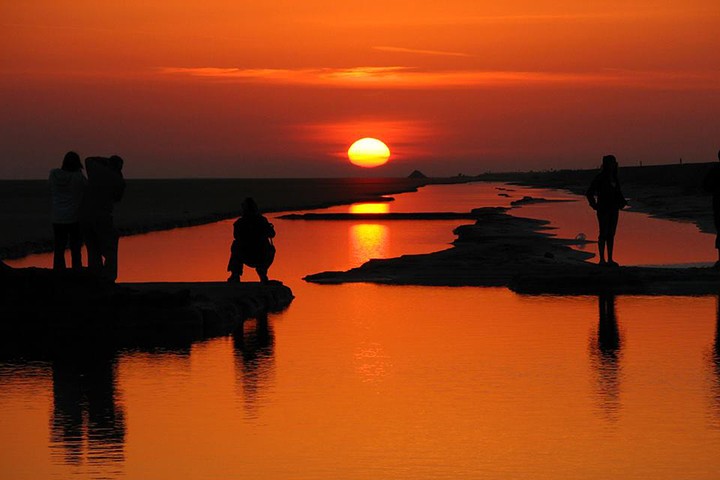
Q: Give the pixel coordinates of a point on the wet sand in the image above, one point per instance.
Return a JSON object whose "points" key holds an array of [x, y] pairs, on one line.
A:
{"points": [[518, 253], [505, 250], [489, 253], [151, 205]]}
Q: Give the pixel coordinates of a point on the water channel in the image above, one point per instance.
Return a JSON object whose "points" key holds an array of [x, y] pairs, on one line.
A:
{"points": [[365, 381]]}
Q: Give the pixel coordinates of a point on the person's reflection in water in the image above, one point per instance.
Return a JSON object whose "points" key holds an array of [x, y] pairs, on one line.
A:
{"points": [[715, 358], [254, 361], [86, 410], [606, 352]]}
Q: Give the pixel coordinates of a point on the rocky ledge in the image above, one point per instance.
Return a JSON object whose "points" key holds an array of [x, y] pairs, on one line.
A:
{"points": [[35, 300]]}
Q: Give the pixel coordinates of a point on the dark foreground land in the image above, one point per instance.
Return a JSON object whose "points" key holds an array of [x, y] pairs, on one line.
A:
{"points": [[40, 303], [151, 205]]}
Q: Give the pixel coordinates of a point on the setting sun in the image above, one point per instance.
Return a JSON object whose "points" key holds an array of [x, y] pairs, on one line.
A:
{"points": [[368, 152]]}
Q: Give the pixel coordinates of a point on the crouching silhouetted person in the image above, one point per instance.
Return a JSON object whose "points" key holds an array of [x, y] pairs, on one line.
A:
{"points": [[711, 184], [106, 186], [67, 185], [607, 200], [252, 245]]}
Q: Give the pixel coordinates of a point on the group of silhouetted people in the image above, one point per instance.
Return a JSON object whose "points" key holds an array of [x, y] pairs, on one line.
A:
{"points": [[606, 198], [82, 211]]}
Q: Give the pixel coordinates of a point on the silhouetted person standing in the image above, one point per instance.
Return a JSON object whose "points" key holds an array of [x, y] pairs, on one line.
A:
{"points": [[252, 245], [712, 184], [67, 185], [106, 186], [607, 200]]}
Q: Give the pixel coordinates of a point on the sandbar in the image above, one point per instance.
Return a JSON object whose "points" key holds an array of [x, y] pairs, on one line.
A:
{"points": [[506, 250]]}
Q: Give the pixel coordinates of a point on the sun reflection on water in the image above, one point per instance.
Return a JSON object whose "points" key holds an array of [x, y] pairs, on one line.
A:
{"points": [[372, 363], [369, 208], [368, 241]]}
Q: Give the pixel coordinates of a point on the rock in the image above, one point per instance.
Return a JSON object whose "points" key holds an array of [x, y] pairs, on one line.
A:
{"points": [[526, 200], [36, 301]]}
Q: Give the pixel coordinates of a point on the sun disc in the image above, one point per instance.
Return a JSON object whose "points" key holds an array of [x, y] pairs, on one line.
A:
{"points": [[368, 152]]}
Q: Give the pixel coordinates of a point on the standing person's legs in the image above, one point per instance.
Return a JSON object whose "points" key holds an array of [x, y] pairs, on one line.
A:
{"points": [[716, 218], [109, 240], [612, 221], [75, 245], [601, 236], [60, 233], [92, 242]]}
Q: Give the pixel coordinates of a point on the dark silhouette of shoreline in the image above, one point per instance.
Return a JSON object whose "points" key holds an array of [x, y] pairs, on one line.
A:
{"points": [[671, 191], [186, 202]]}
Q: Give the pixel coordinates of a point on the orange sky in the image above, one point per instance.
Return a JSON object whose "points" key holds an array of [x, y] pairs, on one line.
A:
{"points": [[282, 88]]}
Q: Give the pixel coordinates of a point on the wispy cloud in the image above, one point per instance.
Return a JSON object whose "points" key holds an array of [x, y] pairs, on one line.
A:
{"points": [[404, 77], [463, 19], [302, 76], [421, 52]]}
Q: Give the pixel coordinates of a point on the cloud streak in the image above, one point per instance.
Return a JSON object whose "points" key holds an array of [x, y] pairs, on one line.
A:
{"points": [[421, 52], [403, 77]]}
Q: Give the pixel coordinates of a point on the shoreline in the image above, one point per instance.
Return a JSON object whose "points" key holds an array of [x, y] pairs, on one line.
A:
{"points": [[156, 205], [672, 192], [503, 250], [668, 191]]}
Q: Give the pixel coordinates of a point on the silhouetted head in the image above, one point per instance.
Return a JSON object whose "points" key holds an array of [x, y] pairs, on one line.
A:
{"points": [[609, 163], [116, 163], [249, 207], [71, 162]]}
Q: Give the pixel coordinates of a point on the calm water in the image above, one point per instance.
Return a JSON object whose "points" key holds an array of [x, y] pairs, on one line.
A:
{"points": [[365, 381]]}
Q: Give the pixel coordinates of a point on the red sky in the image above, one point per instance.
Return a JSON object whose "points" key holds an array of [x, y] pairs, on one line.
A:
{"points": [[215, 88]]}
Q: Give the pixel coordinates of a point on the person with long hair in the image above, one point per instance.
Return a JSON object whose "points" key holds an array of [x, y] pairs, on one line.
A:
{"points": [[252, 244], [607, 200], [67, 186]]}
